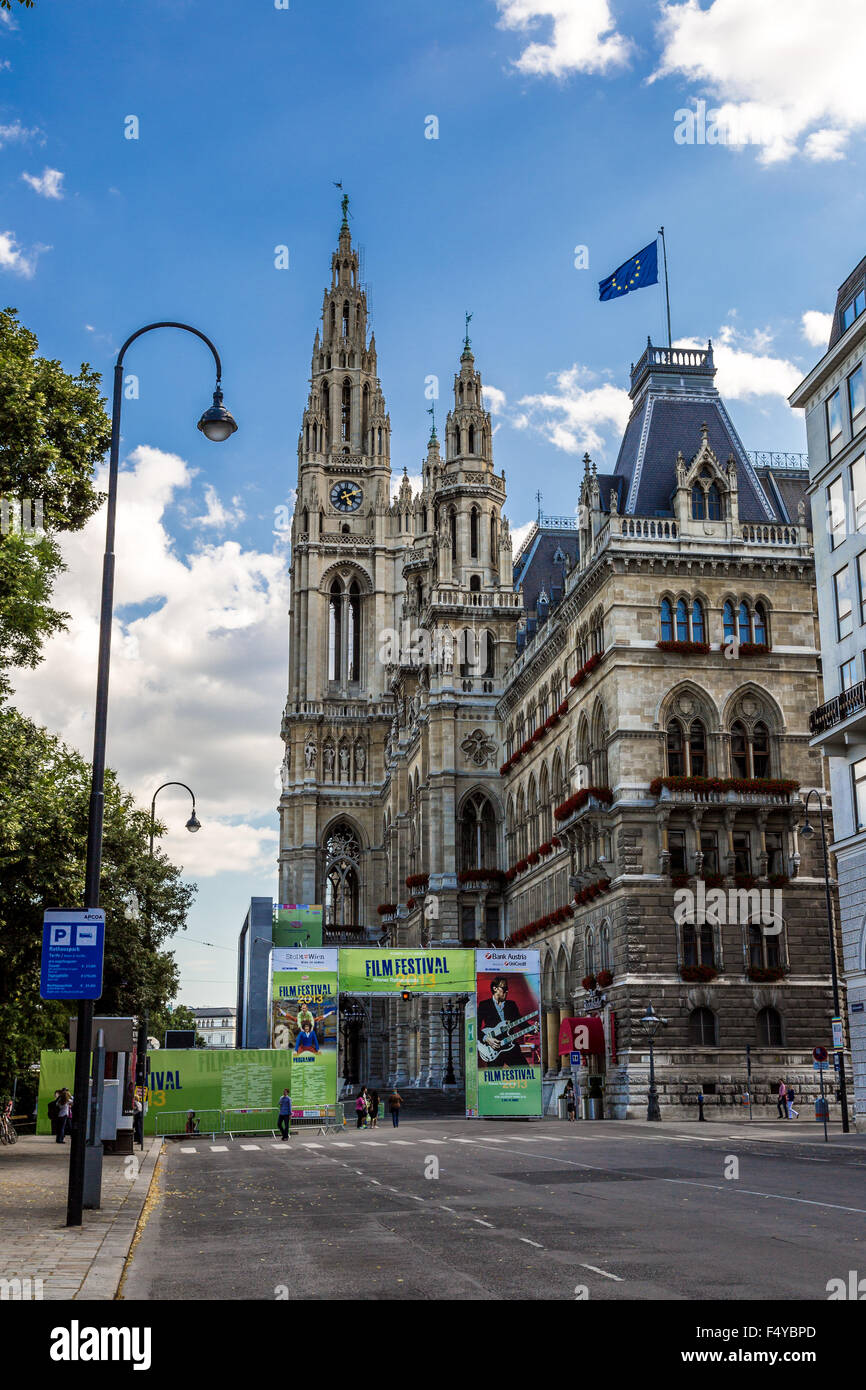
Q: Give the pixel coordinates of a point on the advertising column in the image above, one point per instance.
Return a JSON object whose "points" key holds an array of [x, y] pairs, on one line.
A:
{"points": [[508, 1044], [304, 993]]}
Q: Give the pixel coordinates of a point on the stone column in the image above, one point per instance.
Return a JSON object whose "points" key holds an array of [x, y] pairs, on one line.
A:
{"points": [[551, 1023]]}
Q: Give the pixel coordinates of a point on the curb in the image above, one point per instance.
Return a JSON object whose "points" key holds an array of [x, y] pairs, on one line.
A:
{"points": [[106, 1270]]}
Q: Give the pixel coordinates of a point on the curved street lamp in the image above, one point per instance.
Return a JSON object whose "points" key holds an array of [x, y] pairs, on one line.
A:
{"points": [[217, 424], [807, 832]]}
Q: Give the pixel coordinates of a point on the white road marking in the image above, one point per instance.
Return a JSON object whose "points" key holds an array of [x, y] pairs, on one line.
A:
{"points": [[374, 1143], [407, 1143], [483, 1223], [488, 1140], [188, 1151], [448, 1209], [527, 1241], [218, 1148], [435, 1141], [251, 1146], [312, 1146], [465, 1141], [338, 1145], [603, 1272]]}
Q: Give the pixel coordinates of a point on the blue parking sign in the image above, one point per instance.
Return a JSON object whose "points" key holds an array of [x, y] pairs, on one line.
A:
{"points": [[73, 943]]}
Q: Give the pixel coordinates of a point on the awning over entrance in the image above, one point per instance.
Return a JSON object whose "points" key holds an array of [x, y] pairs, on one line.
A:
{"points": [[582, 1035]]}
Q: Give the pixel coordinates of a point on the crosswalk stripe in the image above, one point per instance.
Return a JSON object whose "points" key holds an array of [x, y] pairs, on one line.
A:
{"points": [[219, 1148], [312, 1146], [338, 1145], [189, 1151], [251, 1146], [408, 1143]]}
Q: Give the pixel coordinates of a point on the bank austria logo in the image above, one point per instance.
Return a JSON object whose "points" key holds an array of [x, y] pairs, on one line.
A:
{"points": [[77, 1343]]}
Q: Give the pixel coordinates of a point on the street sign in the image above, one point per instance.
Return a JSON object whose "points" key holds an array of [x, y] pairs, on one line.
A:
{"points": [[820, 1066], [857, 1008], [73, 944], [838, 1037], [575, 1059], [820, 1054]]}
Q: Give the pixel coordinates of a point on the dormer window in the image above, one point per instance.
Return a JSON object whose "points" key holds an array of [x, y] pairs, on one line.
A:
{"points": [[853, 309]]}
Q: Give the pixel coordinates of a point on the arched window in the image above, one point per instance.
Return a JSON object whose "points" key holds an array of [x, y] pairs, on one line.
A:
{"points": [[335, 631], [333, 318], [604, 956], [473, 529], [676, 756], [452, 522], [667, 621], [346, 412], [744, 624], [488, 655], [697, 749], [306, 522], [714, 503], [769, 1024], [326, 411], [765, 951], [477, 833], [760, 751], [589, 951], [702, 1027], [471, 440], [698, 946], [456, 441], [346, 319], [342, 854], [729, 622], [493, 538], [365, 417], [698, 621], [739, 750], [698, 502], [354, 643], [682, 621], [379, 440], [759, 623]]}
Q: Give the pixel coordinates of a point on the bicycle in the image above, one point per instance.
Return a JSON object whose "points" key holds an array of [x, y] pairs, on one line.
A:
{"points": [[8, 1133]]}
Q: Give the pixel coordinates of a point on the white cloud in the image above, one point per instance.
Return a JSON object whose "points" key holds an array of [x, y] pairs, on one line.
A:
{"points": [[578, 414], [493, 399], [416, 482], [14, 257], [519, 534], [743, 370], [788, 70], [583, 38], [16, 132], [198, 670], [816, 327], [217, 514], [49, 184]]}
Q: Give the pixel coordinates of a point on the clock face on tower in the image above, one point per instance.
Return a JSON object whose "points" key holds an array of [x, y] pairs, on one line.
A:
{"points": [[346, 497]]}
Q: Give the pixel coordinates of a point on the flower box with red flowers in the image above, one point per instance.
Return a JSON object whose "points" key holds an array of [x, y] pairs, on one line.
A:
{"points": [[778, 880], [679, 880], [545, 848], [712, 880], [765, 974], [562, 709], [747, 648], [579, 799], [604, 978], [534, 857], [522, 865], [417, 880], [698, 974], [684, 648], [411, 903], [770, 786], [510, 874], [745, 880], [556, 842], [580, 676], [386, 909], [551, 721], [589, 982], [480, 876]]}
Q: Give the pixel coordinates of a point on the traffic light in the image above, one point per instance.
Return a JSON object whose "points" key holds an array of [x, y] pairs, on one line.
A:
{"points": [[406, 996]]}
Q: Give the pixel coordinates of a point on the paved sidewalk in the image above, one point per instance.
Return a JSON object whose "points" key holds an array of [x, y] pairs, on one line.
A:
{"points": [[36, 1244]]}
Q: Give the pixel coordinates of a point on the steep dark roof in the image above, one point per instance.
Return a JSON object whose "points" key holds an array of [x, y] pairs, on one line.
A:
{"points": [[847, 291], [667, 418], [785, 489], [537, 568]]}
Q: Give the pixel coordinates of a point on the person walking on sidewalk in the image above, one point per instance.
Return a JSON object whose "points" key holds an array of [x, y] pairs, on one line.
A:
{"points": [[374, 1109], [570, 1102], [395, 1100], [285, 1114], [64, 1114], [782, 1101], [792, 1113], [361, 1107]]}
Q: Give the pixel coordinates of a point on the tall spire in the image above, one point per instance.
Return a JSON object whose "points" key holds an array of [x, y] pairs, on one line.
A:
{"points": [[432, 413], [467, 346]]}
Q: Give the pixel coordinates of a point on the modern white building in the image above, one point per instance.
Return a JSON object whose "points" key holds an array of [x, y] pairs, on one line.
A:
{"points": [[217, 1025], [833, 396]]}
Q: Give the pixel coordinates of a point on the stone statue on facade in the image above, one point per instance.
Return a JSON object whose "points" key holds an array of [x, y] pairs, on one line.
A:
{"points": [[310, 755]]}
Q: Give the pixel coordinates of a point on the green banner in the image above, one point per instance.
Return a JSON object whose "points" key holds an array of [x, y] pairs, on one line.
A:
{"points": [[205, 1079], [436, 970], [470, 1052], [298, 924], [305, 995], [508, 1033]]}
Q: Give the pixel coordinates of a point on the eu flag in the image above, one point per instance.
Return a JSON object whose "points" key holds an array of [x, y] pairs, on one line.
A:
{"points": [[642, 269]]}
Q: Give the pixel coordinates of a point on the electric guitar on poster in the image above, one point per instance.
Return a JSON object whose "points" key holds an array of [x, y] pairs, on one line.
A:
{"points": [[507, 1034]]}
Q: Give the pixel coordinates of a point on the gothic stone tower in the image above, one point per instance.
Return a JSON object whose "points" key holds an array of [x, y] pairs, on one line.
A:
{"points": [[346, 576]]}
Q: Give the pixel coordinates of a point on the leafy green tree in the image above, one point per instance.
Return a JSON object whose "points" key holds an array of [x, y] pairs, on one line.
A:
{"points": [[44, 793], [54, 431]]}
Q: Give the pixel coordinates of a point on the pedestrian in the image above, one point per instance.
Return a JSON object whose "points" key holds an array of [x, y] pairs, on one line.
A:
{"points": [[64, 1114], [570, 1102], [361, 1107], [792, 1113], [137, 1119], [191, 1122], [285, 1114], [374, 1109], [782, 1101], [701, 1115], [395, 1100]]}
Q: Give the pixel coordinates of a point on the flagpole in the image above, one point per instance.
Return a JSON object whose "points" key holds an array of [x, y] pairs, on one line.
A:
{"points": [[667, 287]]}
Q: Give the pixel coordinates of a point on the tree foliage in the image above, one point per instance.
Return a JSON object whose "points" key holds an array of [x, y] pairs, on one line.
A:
{"points": [[54, 431], [44, 795]]}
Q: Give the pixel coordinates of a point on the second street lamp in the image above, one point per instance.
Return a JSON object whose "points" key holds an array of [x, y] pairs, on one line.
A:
{"points": [[216, 424], [651, 1023], [807, 832]]}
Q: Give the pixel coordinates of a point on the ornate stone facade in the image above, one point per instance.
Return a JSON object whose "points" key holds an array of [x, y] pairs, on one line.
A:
{"points": [[670, 633]]}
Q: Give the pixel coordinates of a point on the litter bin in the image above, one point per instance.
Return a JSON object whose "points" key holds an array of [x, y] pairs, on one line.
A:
{"points": [[822, 1110], [595, 1099], [562, 1107]]}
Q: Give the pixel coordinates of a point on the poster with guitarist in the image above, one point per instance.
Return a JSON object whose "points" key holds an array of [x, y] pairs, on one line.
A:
{"points": [[509, 1032]]}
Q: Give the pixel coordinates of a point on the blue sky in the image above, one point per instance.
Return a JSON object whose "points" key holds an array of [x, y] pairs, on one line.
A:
{"points": [[555, 130]]}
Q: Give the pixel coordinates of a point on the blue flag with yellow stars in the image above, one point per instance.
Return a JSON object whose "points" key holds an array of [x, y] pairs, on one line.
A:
{"points": [[642, 269]]}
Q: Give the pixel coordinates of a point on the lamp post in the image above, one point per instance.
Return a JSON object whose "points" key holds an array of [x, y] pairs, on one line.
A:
{"points": [[449, 1015], [216, 424], [192, 825], [651, 1023], [807, 832]]}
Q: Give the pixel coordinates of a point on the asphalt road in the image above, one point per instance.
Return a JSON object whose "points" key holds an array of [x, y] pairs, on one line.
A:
{"points": [[444, 1209]]}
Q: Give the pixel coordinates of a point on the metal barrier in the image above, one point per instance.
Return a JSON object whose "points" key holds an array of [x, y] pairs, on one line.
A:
{"points": [[328, 1119], [169, 1123], [251, 1121]]}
